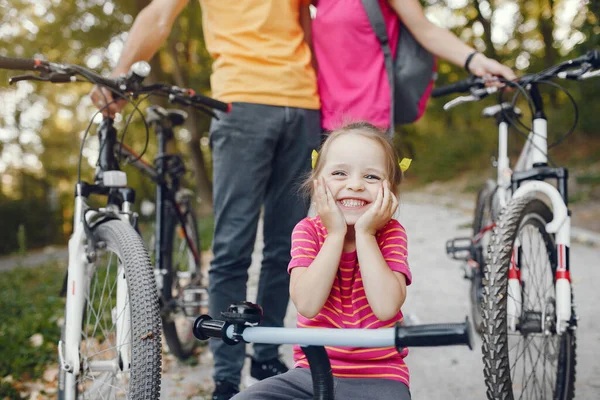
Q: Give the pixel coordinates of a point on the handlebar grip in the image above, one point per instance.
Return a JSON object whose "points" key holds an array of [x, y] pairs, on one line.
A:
{"points": [[22, 64], [434, 335], [461, 86], [205, 327], [212, 103]]}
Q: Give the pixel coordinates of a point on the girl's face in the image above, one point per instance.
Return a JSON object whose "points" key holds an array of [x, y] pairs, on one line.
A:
{"points": [[354, 171]]}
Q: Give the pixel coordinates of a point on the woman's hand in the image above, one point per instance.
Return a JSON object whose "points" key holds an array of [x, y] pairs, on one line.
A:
{"points": [[380, 212], [331, 216], [485, 67]]}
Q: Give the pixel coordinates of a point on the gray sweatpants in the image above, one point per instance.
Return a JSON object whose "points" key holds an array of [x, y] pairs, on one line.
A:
{"points": [[296, 384], [260, 155]]}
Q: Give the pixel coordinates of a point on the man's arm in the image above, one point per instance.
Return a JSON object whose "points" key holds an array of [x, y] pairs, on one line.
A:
{"points": [[150, 29], [305, 23]]}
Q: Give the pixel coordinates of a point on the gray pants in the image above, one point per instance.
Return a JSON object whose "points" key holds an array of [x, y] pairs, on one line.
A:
{"points": [[297, 384], [260, 155]]}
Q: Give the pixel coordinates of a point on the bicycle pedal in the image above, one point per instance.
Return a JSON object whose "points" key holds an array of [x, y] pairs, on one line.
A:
{"points": [[460, 248], [195, 290]]}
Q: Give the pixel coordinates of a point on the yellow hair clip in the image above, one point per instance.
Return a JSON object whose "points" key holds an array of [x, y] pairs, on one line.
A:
{"points": [[313, 158], [404, 164]]}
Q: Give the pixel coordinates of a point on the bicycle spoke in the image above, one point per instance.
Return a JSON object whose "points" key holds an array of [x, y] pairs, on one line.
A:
{"points": [[99, 340]]}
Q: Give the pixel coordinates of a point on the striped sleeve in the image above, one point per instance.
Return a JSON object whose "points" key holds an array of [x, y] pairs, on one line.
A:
{"points": [[394, 248], [305, 244]]}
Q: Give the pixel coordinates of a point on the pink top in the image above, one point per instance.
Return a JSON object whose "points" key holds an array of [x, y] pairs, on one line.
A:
{"points": [[347, 305], [352, 79]]}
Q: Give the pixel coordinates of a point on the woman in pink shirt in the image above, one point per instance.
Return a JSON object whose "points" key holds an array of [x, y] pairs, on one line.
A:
{"points": [[352, 78]]}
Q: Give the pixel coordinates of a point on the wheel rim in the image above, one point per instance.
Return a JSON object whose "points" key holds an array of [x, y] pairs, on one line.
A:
{"points": [[104, 373], [534, 346]]}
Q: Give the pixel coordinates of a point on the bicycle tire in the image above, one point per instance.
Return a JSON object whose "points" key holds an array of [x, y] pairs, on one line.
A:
{"points": [[483, 217], [521, 216], [124, 247], [179, 260]]}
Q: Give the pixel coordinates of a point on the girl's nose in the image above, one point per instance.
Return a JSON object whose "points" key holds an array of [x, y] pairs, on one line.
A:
{"points": [[355, 184]]}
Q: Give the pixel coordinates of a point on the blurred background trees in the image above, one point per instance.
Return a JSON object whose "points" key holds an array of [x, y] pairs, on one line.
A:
{"points": [[41, 125]]}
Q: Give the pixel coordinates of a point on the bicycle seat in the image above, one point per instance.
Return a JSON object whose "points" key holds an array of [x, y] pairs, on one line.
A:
{"points": [[157, 114], [492, 111]]}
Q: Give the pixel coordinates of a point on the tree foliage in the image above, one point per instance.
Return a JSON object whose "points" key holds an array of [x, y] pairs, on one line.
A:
{"points": [[41, 125]]}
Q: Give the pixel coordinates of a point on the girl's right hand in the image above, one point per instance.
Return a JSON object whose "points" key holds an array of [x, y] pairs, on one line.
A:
{"points": [[331, 216]]}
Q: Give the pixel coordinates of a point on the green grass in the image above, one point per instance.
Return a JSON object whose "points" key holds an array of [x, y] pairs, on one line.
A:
{"points": [[206, 226], [30, 304], [588, 179]]}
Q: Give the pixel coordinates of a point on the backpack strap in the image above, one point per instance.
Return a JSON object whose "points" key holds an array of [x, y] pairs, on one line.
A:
{"points": [[378, 24]]}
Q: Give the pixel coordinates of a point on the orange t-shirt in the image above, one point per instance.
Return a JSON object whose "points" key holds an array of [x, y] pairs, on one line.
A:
{"points": [[259, 52]]}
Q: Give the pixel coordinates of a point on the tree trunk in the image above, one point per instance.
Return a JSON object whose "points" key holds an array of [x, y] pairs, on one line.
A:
{"points": [[487, 32], [202, 182], [546, 24]]}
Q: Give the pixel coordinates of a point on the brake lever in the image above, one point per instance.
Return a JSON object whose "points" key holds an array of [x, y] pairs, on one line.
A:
{"points": [[476, 95], [590, 74], [55, 78], [459, 100]]}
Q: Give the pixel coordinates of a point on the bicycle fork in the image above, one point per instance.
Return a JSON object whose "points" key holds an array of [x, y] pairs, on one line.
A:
{"points": [[561, 227], [80, 268]]}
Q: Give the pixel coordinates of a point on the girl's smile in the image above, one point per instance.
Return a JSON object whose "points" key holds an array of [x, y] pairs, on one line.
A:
{"points": [[352, 204]]}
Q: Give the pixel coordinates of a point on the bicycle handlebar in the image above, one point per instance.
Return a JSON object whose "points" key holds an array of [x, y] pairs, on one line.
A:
{"points": [[588, 61], [461, 86], [127, 86], [428, 335], [240, 320], [22, 64]]}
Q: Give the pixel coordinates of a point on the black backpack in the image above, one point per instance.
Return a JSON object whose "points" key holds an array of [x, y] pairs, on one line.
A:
{"points": [[411, 74]]}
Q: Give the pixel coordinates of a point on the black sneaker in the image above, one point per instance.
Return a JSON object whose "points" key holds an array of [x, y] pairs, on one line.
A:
{"points": [[266, 369], [224, 390]]}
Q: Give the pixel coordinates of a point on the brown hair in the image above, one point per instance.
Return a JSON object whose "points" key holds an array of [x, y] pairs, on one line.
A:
{"points": [[368, 131]]}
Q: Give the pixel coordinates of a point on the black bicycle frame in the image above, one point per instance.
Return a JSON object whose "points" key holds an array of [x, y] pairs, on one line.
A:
{"points": [[167, 184]]}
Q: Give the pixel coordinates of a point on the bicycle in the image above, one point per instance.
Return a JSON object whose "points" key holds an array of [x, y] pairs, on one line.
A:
{"points": [[110, 343], [521, 288], [239, 325], [175, 240]]}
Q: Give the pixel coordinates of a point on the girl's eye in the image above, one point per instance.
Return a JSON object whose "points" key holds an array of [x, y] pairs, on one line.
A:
{"points": [[338, 173], [372, 177]]}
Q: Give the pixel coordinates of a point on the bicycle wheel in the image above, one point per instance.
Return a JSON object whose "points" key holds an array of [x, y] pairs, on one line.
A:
{"points": [[103, 374], [183, 292], [532, 361], [482, 224]]}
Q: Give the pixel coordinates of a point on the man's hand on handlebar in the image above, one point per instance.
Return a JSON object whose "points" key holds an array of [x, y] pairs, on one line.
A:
{"points": [[103, 99]]}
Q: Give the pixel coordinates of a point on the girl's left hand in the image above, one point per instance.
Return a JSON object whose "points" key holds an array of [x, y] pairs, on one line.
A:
{"points": [[380, 212]]}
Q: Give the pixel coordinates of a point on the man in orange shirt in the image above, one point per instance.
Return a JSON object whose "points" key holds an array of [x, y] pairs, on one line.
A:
{"points": [[260, 150]]}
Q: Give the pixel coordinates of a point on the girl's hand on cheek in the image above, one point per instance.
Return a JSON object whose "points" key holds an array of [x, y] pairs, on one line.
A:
{"points": [[327, 208], [380, 212]]}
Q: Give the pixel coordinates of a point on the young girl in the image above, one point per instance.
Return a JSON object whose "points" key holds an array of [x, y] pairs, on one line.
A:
{"points": [[349, 268]]}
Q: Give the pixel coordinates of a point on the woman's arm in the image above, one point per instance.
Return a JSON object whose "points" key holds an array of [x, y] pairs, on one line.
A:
{"points": [[444, 43], [385, 289], [310, 287]]}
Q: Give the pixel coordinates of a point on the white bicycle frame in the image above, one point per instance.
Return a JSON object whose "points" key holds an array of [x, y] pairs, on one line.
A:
{"points": [[534, 152], [80, 269]]}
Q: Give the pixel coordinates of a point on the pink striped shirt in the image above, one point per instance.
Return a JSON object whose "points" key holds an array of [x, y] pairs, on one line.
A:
{"points": [[347, 305]]}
